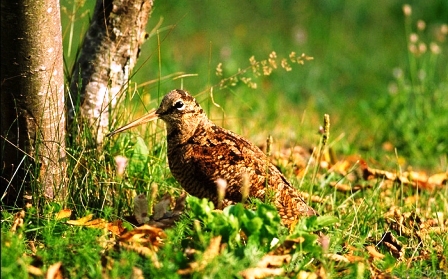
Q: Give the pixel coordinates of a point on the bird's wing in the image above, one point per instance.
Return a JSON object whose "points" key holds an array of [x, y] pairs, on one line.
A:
{"points": [[223, 154], [228, 156]]}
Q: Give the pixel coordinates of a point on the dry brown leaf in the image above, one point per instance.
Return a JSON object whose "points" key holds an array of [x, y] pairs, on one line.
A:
{"points": [[141, 209], [411, 200], [137, 273], [32, 246], [296, 156], [288, 244], [337, 258], [146, 251], [97, 224], [388, 146], [145, 234], [54, 271], [345, 166], [439, 179], [322, 273], [407, 223], [180, 203], [142, 250], [274, 260], [341, 187], [342, 167], [374, 253], [412, 178], [34, 270], [394, 245], [261, 272], [209, 254], [306, 275], [116, 227], [18, 220], [313, 198], [80, 221], [144, 240], [434, 225], [345, 188], [64, 213], [169, 218], [213, 248], [354, 259], [161, 207]]}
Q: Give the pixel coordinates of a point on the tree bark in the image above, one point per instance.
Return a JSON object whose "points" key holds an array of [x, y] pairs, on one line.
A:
{"points": [[32, 100], [109, 52]]}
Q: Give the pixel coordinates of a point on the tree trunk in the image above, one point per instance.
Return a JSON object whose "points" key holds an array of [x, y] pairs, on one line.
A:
{"points": [[32, 100], [109, 52]]}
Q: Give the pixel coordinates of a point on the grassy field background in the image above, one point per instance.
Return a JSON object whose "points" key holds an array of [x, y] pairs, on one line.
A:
{"points": [[362, 74], [381, 75], [357, 48]]}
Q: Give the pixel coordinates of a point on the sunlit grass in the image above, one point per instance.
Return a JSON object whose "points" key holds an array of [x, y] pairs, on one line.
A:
{"points": [[288, 105]]}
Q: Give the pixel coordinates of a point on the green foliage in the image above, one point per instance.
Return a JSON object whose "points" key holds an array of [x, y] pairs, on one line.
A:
{"points": [[246, 235], [138, 157], [260, 227], [14, 265], [415, 112], [350, 78]]}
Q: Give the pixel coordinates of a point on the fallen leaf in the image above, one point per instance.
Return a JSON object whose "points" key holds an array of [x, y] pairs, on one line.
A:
{"points": [[64, 213], [351, 259], [97, 224], [18, 220], [145, 234], [337, 258], [80, 221], [54, 271], [116, 227], [412, 178], [209, 254], [306, 275], [439, 179], [170, 218], [180, 203], [34, 270], [141, 209], [161, 207], [274, 260], [261, 272], [137, 273], [267, 266], [345, 166], [374, 253], [345, 188], [394, 245], [388, 146], [313, 198], [144, 240]]}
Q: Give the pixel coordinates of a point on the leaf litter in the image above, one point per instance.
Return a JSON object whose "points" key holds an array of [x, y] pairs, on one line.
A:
{"points": [[412, 225]]}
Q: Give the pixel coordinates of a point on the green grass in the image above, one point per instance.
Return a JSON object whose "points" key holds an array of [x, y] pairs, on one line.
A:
{"points": [[387, 105]]}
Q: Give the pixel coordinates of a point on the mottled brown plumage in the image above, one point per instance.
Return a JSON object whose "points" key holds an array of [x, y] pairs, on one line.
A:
{"points": [[199, 153]]}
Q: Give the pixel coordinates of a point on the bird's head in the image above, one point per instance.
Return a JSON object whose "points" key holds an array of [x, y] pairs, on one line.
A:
{"points": [[179, 110]]}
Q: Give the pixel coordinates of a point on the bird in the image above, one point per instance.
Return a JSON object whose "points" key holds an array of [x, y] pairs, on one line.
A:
{"points": [[202, 154]]}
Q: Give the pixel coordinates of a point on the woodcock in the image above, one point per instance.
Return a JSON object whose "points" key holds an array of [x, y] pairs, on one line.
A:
{"points": [[201, 153]]}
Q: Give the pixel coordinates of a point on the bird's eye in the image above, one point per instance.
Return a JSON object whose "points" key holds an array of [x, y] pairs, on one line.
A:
{"points": [[179, 105]]}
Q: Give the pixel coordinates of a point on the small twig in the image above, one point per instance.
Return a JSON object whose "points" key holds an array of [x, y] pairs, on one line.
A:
{"points": [[325, 136]]}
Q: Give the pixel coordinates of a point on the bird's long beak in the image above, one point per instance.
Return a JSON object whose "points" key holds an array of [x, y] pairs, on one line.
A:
{"points": [[150, 116]]}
